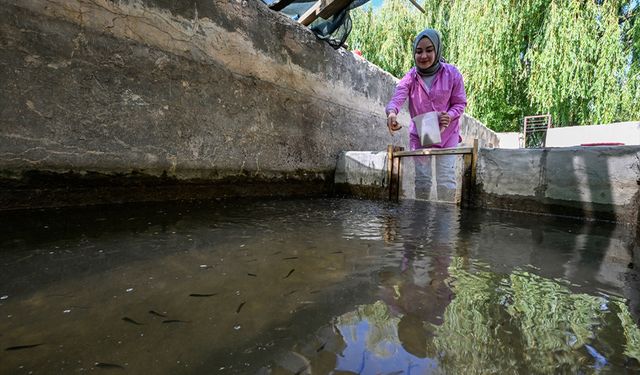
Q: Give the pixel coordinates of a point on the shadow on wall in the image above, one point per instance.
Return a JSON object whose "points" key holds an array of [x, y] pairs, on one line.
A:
{"points": [[591, 178]]}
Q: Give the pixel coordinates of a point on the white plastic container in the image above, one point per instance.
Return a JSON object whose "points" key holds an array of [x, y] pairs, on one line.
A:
{"points": [[428, 128]]}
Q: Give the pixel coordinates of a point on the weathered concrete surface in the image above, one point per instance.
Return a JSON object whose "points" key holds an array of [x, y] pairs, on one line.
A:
{"points": [[471, 129], [365, 174], [104, 101], [591, 182]]}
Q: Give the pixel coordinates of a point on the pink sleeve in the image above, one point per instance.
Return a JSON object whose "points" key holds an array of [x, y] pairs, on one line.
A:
{"points": [[458, 99], [400, 95]]}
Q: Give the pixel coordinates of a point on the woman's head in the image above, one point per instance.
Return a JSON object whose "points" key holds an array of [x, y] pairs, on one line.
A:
{"points": [[427, 52]]}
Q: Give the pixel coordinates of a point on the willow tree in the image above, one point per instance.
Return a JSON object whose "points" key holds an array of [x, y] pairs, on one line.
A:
{"points": [[386, 36], [577, 60]]}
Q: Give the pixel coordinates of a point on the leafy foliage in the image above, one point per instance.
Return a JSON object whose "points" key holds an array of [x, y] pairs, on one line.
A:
{"points": [[577, 60]]}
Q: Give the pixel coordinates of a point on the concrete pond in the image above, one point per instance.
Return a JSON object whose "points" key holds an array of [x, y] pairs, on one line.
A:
{"points": [[322, 285], [182, 191]]}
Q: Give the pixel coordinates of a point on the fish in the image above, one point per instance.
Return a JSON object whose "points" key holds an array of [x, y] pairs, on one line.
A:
{"points": [[601, 361], [289, 258], [290, 293], [202, 295], [321, 347], [129, 320], [108, 366], [252, 274], [337, 252], [20, 347], [157, 314], [175, 321], [240, 307], [290, 272], [303, 369]]}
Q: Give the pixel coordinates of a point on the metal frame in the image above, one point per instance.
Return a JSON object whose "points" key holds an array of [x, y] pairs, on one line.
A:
{"points": [[470, 159], [535, 130]]}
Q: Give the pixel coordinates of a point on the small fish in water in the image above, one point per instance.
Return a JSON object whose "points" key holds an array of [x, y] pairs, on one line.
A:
{"points": [[289, 258], [601, 361], [321, 348], [157, 314], [129, 320], [175, 321], [108, 366], [252, 274], [20, 347], [290, 272], [303, 369], [337, 252], [277, 252], [202, 295], [240, 307]]}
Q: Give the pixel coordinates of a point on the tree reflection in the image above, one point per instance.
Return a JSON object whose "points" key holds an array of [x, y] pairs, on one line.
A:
{"points": [[524, 323], [507, 324]]}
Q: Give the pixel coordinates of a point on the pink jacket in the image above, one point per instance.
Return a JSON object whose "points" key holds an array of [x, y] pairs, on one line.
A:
{"points": [[446, 94]]}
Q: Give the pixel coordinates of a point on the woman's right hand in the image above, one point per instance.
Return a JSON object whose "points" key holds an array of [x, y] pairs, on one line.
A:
{"points": [[392, 123]]}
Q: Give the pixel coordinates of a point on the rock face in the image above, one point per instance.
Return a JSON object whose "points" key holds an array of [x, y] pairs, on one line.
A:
{"points": [[107, 101]]}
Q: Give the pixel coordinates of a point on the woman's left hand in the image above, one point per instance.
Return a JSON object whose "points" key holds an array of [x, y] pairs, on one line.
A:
{"points": [[444, 120]]}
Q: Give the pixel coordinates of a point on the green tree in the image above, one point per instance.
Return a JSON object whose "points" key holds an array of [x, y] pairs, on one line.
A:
{"points": [[577, 60]]}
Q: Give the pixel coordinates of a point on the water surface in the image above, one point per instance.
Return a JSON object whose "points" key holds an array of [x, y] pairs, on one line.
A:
{"points": [[324, 285]]}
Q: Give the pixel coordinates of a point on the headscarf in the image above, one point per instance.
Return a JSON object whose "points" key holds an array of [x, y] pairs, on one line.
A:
{"points": [[434, 37]]}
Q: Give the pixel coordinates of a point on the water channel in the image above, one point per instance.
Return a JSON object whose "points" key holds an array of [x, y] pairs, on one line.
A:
{"points": [[323, 286]]}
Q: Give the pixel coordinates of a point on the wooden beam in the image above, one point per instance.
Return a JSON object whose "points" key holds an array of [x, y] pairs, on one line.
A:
{"points": [[414, 2], [280, 5], [324, 9], [310, 15], [435, 151], [330, 7], [394, 172]]}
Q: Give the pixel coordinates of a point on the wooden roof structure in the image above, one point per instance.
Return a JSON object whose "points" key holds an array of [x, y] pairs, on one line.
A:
{"points": [[321, 8]]}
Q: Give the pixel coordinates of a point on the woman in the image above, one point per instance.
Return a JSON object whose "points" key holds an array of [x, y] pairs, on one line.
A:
{"points": [[431, 85]]}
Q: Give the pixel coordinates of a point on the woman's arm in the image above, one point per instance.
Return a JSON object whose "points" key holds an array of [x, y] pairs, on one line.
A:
{"points": [[400, 95]]}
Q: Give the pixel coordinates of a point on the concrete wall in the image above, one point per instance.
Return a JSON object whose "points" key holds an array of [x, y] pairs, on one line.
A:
{"points": [[471, 129], [592, 182], [106, 101]]}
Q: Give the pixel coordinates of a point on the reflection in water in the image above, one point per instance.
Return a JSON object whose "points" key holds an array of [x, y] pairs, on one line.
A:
{"points": [[374, 345], [314, 286]]}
